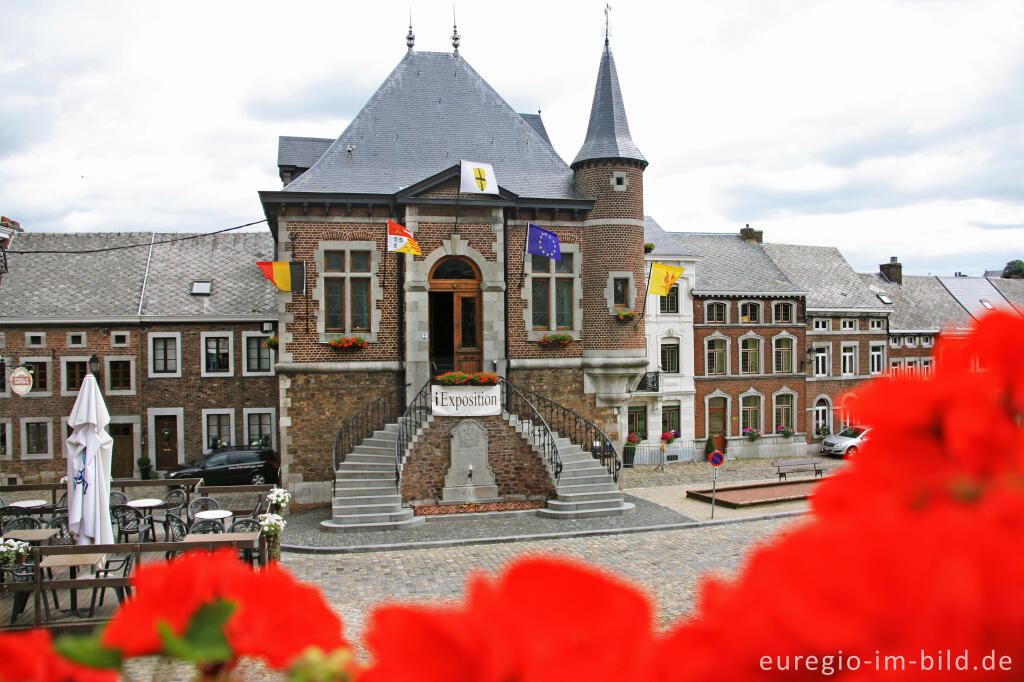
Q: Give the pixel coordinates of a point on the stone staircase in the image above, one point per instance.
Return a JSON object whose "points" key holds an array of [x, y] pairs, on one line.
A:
{"points": [[585, 489], [366, 497]]}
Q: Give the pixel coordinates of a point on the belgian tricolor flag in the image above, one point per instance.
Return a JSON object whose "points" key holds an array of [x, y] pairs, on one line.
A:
{"points": [[287, 275]]}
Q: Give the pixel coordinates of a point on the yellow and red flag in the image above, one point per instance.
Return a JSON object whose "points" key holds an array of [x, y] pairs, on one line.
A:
{"points": [[401, 239], [663, 277], [286, 275]]}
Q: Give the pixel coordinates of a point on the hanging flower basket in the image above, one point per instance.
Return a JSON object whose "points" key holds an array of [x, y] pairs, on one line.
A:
{"points": [[464, 379], [348, 343], [625, 315], [556, 340], [271, 343]]}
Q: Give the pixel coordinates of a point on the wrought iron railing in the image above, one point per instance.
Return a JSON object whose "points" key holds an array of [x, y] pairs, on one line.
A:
{"points": [[408, 425], [515, 402], [362, 424], [649, 382], [568, 424]]}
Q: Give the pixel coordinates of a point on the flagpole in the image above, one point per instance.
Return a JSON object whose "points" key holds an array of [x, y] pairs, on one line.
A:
{"points": [[647, 292], [526, 246]]}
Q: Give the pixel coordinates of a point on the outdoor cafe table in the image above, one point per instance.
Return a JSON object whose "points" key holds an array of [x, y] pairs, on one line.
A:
{"points": [[221, 515], [251, 536], [72, 562], [30, 534], [29, 504], [146, 505]]}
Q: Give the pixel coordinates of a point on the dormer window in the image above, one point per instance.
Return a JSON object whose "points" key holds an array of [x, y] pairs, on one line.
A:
{"points": [[202, 287], [988, 304]]}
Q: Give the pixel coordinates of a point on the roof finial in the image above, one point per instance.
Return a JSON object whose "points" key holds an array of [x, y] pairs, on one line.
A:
{"points": [[410, 39], [455, 32], [607, 9]]}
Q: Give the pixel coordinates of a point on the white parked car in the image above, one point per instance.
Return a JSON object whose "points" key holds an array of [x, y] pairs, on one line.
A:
{"points": [[846, 442]]}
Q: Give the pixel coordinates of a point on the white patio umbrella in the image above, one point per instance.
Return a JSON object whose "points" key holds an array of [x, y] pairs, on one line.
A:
{"points": [[88, 450]]}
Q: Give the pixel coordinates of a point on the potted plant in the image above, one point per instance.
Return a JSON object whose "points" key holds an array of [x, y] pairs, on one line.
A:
{"points": [[648, 247], [625, 315], [709, 447], [13, 552], [823, 432], [272, 525], [271, 343], [145, 467], [752, 433], [556, 340], [783, 430], [348, 343]]}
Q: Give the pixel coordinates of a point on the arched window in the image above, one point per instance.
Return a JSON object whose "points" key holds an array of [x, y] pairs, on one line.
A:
{"points": [[716, 313], [750, 313], [716, 357], [822, 418], [784, 411], [783, 312], [750, 412], [783, 355]]}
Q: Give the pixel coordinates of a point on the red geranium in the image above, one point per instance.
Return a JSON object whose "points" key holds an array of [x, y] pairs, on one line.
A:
{"points": [[30, 657]]}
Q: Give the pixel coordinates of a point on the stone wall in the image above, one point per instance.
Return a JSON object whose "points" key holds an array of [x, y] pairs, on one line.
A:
{"points": [[565, 386], [518, 470]]}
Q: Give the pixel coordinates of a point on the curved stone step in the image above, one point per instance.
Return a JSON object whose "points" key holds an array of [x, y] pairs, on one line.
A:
{"points": [[410, 522], [626, 508]]}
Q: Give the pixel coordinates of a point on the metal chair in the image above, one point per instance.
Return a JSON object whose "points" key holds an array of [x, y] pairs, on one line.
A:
{"points": [[110, 568], [21, 573], [131, 522], [63, 537], [203, 526], [176, 532], [262, 504], [11, 511], [174, 503], [117, 497], [200, 504], [20, 523], [246, 525]]}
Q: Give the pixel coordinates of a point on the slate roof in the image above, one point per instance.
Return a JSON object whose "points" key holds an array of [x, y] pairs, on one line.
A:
{"points": [[921, 303], [608, 131], [108, 284], [664, 242], [537, 124], [1012, 290], [431, 112], [971, 291], [301, 152], [830, 282], [732, 265]]}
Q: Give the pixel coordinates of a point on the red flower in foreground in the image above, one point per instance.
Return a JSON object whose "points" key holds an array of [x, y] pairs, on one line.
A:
{"points": [[269, 604], [542, 619], [29, 657]]}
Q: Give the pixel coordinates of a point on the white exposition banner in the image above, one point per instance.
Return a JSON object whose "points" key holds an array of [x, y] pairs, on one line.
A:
{"points": [[465, 401]]}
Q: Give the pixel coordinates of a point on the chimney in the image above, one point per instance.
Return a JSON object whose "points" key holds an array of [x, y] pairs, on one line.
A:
{"points": [[892, 271], [752, 236]]}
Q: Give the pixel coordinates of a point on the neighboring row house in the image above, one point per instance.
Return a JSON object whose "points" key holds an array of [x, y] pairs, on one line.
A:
{"points": [[174, 331]]}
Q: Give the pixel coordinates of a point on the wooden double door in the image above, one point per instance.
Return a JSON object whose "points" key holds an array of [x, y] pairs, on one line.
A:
{"points": [[456, 312]]}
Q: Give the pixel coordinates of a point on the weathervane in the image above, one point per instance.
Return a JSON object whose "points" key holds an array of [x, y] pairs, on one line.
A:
{"points": [[410, 39], [607, 9]]}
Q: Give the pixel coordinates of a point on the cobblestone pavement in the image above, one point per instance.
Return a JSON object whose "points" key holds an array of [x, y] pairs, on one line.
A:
{"points": [[699, 473]]}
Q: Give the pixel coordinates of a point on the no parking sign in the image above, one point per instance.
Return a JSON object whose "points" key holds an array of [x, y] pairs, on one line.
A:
{"points": [[716, 458]]}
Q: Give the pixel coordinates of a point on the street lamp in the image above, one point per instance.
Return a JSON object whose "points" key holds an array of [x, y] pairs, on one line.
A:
{"points": [[94, 365]]}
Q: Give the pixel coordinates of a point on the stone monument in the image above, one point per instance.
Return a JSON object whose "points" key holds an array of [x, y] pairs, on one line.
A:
{"points": [[469, 479]]}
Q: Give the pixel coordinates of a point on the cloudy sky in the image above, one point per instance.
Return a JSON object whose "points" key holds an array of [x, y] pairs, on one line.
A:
{"points": [[886, 128]]}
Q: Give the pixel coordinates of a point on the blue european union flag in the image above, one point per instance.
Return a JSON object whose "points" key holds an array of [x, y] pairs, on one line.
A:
{"points": [[541, 242]]}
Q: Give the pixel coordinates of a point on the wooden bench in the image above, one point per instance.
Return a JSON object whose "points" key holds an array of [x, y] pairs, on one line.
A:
{"points": [[792, 466]]}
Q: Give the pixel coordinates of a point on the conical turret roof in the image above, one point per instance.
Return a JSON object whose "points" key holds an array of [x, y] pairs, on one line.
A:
{"points": [[608, 133]]}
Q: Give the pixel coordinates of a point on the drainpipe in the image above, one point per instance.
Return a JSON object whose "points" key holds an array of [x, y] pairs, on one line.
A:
{"points": [[504, 222]]}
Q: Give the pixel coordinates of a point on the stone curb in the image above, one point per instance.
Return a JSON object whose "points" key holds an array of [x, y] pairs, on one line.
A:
{"points": [[433, 544]]}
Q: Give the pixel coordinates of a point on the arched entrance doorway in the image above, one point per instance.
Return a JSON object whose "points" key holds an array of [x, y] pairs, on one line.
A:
{"points": [[455, 312]]}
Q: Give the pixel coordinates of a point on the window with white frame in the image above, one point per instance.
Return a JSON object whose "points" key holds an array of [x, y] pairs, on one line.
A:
{"points": [[120, 338], [620, 291], [750, 356], [715, 312], [927, 341], [73, 371], [259, 427], [849, 360], [120, 374], [348, 289], [750, 412], [750, 312], [822, 361], [848, 325], [218, 429], [822, 324], [784, 411], [218, 358], [926, 366], [37, 438], [670, 302], [553, 285], [716, 356], [877, 358], [5, 438], [164, 354], [910, 341], [76, 339], [39, 368], [895, 365], [822, 417], [258, 358], [782, 312], [895, 341], [877, 323], [911, 365], [35, 339], [783, 354]]}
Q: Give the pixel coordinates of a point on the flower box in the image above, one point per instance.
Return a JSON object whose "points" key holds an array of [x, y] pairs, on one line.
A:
{"points": [[625, 315], [348, 343], [271, 343], [556, 340], [464, 379]]}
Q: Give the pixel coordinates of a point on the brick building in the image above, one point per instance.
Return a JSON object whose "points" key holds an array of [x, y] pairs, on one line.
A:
{"points": [[473, 300], [176, 331]]}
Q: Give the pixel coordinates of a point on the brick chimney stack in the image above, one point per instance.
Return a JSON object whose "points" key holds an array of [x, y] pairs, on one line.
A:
{"points": [[751, 235], [892, 271]]}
